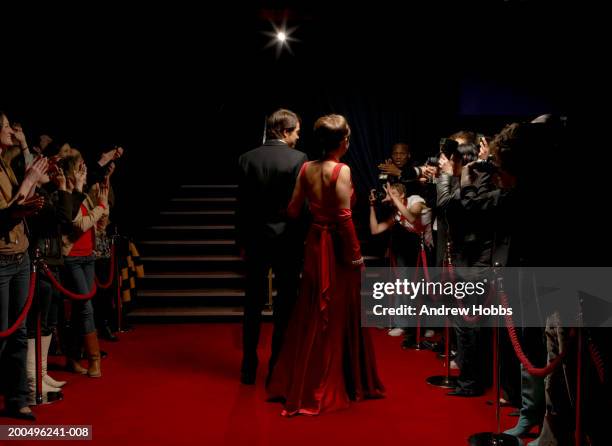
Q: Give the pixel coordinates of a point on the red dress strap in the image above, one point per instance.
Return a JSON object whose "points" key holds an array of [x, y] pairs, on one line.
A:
{"points": [[336, 173], [302, 173]]}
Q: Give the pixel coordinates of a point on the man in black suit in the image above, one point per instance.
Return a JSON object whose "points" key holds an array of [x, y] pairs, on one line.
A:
{"points": [[266, 236]]}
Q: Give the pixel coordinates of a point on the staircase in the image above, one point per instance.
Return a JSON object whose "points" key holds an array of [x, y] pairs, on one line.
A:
{"points": [[190, 257]]}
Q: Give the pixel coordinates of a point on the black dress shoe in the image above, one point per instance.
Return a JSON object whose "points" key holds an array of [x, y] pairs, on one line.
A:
{"points": [[429, 345], [464, 393], [107, 333], [17, 413], [248, 378], [248, 369]]}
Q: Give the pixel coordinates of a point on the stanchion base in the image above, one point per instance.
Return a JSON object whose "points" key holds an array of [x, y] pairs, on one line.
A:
{"points": [[443, 381], [492, 439], [416, 346], [48, 398]]}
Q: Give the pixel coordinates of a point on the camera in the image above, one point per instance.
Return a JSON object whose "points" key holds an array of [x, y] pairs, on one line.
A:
{"points": [[432, 161], [485, 165], [448, 147], [380, 192]]}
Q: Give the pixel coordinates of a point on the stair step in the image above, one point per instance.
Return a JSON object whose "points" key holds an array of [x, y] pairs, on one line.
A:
{"points": [[151, 248], [196, 275], [193, 227], [190, 213], [192, 263], [195, 311], [191, 259], [188, 242], [204, 200], [195, 217], [209, 186], [190, 232], [207, 292]]}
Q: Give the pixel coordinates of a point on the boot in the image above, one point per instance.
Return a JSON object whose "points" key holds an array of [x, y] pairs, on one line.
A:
{"points": [[92, 349], [523, 427], [73, 353], [31, 372], [532, 404], [55, 346], [107, 333], [45, 343]]}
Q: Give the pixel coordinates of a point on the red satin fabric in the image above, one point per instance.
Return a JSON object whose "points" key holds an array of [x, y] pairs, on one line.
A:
{"points": [[327, 359]]}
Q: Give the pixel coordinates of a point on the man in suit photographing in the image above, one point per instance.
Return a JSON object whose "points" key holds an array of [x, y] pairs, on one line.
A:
{"points": [[266, 237]]}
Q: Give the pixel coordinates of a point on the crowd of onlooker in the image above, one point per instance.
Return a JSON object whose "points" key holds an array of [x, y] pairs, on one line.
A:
{"points": [[54, 205]]}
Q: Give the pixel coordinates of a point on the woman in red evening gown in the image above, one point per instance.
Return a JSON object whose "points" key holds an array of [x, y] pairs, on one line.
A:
{"points": [[326, 359]]}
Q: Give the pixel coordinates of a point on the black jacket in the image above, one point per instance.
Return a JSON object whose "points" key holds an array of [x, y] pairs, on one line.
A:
{"points": [[465, 219], [267, 178], [46, 226]]}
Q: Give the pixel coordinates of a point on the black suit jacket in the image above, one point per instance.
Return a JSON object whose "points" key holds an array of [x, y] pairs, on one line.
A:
{"points": [[267, 178]]}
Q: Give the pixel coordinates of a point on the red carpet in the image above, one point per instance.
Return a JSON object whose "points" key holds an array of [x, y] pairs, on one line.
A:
{"points": [[178, 385]]}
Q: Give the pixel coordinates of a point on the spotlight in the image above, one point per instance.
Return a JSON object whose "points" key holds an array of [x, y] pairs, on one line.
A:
{"points": [[281, 38]]}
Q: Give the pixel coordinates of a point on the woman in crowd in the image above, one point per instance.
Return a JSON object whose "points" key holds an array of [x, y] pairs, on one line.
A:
{"points": [[45, 232], [16, 202], [79, 264]]}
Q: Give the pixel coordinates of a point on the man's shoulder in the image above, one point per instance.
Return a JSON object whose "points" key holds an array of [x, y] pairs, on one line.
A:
{"points": [[280, 149], [250, 154]]}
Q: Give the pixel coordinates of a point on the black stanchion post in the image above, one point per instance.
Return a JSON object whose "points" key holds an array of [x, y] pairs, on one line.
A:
{"points": [[119, 306], [495, 438], [41, 397], [578, 432], [445, 381], [37, 339], [418, 345]]}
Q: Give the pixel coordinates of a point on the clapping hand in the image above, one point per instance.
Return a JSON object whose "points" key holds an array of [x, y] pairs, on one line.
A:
{"points": [[22, 207], [389, 168], [111, 155]]}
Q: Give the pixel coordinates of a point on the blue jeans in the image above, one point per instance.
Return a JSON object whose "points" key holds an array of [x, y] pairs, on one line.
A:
{"points": [[14, 287], [80, 273], [48, 301]]}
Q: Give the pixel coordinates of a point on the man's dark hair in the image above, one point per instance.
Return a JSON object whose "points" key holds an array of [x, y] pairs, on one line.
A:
{"points": [[402, 145], [279, 121]]}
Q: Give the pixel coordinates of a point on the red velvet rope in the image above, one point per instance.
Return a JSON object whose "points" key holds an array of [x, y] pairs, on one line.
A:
{"points": [[26, 308], [111, 275], [597, 361], [66, 292], [534, 371]]}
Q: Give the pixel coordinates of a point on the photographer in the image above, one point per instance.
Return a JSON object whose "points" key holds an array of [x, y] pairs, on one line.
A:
{"points": [[525, 214], [399, 167], [406, 224], [464, 238]]}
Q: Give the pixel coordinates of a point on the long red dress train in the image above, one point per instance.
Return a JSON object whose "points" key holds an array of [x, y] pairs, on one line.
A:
{"points": [[327, 358]]}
